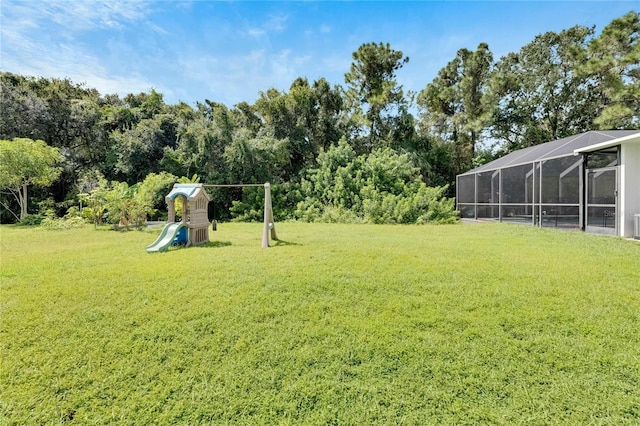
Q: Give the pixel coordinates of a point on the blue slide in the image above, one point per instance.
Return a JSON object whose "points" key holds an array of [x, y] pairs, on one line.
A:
{"points": [[169, 233]]}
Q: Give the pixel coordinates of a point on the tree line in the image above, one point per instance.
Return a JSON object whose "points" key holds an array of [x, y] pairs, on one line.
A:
{"points": [[365, 150]]}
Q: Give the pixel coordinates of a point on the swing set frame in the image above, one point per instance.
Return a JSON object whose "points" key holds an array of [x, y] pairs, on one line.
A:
{"points": [[269, 225]]}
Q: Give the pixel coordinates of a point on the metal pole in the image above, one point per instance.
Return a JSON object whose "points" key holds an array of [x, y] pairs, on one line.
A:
{"points": [[500, 196]]}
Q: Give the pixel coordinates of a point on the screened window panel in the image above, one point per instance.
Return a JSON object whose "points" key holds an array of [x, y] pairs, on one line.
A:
{"points": [[604, 217], [518, 213], [517, 187], [466, 189], [601, 159], [467, 211], [555, 216], [570, 187], [602, 186], [488, 211], [561, 180], [489, 187], [529, 192]]}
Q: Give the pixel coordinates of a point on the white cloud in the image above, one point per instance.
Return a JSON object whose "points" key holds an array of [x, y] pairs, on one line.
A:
{"points": [[75, 15], [233, 78], [87, 15], [67, 61], [256, 32], [276, 23], [57, 48]]}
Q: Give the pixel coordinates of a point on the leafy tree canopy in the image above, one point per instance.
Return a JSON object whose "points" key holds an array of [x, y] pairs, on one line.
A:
{"points": [[25, 162]]}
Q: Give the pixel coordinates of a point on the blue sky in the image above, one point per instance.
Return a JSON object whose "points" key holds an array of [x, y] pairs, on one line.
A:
{"points": [[229, 51]]}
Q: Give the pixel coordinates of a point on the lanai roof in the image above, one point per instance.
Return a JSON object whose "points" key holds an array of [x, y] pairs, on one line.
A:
{"points": [[558, 148]]}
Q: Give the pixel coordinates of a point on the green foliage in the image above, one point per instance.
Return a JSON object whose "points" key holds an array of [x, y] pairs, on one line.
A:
{"points": [[284, 198], [60, 224], [611, 62], [457, 105], [256, 160], [88, 215], [371, 81], [124, 207], [153, 190], [71, 220], [426, 205], [541, 96], [72, 211], [308, 118], [201, 143], [25, 162], [251, 207], [139, 151], [382, 187], [31, 220], [342, 324], [24, 113], [93, 188]]}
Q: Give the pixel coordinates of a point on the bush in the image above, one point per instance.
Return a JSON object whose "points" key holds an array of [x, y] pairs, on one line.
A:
{"points": [[382, 187], [31, 220], [72, 212], [284, 197], [332, 214], [72, 220], [124, 208], [56, 223], [87, 214]]}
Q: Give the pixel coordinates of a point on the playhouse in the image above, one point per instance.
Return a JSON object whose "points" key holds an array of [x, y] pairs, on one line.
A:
{"points": [[193, 227]]}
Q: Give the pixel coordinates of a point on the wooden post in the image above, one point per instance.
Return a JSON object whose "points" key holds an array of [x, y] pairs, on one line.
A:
{"points": [[269, 223]]}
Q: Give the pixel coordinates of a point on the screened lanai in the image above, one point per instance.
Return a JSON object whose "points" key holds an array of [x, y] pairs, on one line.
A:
{"points": [[568, 183]]}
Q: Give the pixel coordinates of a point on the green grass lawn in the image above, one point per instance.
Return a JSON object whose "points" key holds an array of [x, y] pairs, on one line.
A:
{"points": [[336, 324]]}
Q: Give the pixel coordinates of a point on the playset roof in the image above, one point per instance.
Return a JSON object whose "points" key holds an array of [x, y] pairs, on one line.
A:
{"points": [[189, 190]]}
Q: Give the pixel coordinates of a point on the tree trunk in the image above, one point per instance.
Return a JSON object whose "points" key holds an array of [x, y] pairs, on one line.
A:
{"points": [[474, 139], [23, 201]]}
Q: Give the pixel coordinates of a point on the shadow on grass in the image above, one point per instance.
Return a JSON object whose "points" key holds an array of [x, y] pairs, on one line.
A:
{"points": [[278, 243], [213, 244]]}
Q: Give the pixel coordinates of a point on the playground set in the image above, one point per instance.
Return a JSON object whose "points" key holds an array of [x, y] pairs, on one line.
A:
{"points": [[193, 227]]}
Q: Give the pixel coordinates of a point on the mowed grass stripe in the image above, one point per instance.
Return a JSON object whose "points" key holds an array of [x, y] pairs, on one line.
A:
{"points": [[336, 324]]}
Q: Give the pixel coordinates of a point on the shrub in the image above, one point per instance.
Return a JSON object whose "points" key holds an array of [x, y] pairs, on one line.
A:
{"points": [[56, 223], [125, 209], [284, 197], [72, 212], [381, 187], [31, 220], [87, 214]]}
